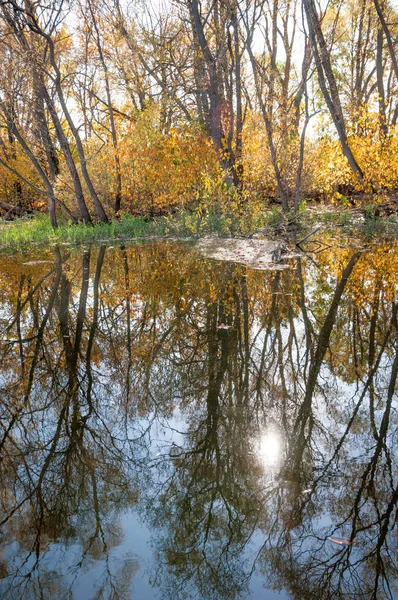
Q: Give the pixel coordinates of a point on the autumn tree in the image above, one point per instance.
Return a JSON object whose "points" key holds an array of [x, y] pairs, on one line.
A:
{"points": [[43, 50]]}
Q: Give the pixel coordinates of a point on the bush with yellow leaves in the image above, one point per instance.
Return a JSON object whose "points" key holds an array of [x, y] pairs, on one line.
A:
{"points": [[376, 153], [165, 169]]}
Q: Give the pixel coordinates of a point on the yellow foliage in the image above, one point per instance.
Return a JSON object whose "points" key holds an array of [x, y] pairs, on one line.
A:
{"points": [[377, 155], [258, 172], [162, 170], [11, 189]]}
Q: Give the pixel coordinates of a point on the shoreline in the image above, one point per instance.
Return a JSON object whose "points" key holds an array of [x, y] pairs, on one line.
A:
{"points": [[272, 224]]}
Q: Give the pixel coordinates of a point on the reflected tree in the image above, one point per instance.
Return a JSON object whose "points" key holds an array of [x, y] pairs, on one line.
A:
{"points": [[246, 416]]}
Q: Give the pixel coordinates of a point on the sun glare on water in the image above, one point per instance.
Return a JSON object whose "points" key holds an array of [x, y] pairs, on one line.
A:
{"points": [[270, 447]]}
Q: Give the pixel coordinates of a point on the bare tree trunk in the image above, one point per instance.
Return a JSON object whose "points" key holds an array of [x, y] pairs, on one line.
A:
{"points": [[283, 195], [34, 26], [327, 82], [302, 91], [299, 173], [215, 92], [389, 39], [101, 214], [118, 197], [380, 83], [48, 185], [41, 124], [63, 142], [237, 73], [42, 95]]}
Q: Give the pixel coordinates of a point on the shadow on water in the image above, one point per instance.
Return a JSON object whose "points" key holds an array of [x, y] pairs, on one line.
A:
{"points": [[175, 427]]}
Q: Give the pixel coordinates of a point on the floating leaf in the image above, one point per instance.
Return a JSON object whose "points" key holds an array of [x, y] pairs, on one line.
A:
{"points": [[340, 541]]}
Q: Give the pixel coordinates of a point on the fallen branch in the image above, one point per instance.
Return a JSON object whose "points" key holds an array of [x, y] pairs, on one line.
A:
{"points": [[15, 211], [307, 236], [390, 203]]}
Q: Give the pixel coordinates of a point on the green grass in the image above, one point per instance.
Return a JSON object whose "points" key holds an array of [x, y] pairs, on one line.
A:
{"points": [[38, 230], [336, 217]]}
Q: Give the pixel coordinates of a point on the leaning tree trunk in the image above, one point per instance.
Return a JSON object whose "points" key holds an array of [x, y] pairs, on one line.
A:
{"points": [[217, 102], [101, 214], [327, 82], [41, 125], [64, 144], [282, 192], [118, 197], [389, 39], [380, 83], [37, 166]]}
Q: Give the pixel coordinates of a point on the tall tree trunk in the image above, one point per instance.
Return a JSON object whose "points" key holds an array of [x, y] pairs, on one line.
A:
{"points": [[17, 27], [64, 143], [41, 125], [34, 25], [101, 214], [217, 103], [327, 82], [118, 197], [282, 192], [389, 39], [48, 185], [237, 75], [380, 83]]}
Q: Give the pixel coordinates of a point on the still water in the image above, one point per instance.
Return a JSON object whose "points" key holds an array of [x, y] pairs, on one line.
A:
{"points": [[176, 427]]}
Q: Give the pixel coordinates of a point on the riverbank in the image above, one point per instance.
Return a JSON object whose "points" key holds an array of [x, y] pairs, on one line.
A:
{"points": [[272, 224]]}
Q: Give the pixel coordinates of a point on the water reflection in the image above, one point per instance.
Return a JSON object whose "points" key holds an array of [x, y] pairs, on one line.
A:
{"points": [[238, 418], [270, 448]]}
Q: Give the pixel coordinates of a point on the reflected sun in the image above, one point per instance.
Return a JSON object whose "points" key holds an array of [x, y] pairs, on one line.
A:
{"points": [[270, 448]]}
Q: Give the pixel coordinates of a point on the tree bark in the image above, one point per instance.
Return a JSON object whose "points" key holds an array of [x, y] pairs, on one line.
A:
{"points": [[389, 39], [64, 143], [217, 103], [41, 126], [118, 197], [380, 83], [326, 78], [47, 183]]}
